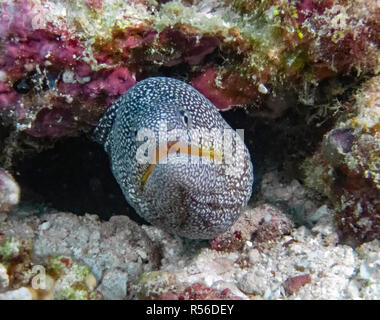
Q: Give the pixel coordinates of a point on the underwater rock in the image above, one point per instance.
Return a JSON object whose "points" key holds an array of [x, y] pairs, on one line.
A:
{"points": [[252, 283], [292, 197], [159, 285], [17, 294], [346, 167], [368, 269], [15, 257], [199, 291], [4, 278], [227, 91], [55, 122], [292, 285], [272, 272], [55, 277], [258, 225], [116, 251], [9, 191], [119, 259], [153, 285]]}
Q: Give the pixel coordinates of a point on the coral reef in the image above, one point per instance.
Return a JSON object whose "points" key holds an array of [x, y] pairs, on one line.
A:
{"points": [[292, 65], [62, 63], [292, 197], [346, 166]]}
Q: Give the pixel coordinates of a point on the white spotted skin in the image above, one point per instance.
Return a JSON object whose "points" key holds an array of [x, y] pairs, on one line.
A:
{"points": [[196, 200]]}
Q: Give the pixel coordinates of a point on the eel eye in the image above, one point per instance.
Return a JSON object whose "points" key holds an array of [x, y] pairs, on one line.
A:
{"points": [[184, 118]]}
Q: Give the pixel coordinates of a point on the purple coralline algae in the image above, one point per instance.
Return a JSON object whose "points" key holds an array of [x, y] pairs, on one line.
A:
{"points": [[63, 63]]}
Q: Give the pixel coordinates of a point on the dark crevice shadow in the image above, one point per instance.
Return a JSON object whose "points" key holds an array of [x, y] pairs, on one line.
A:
{"points": [[74, 176]]}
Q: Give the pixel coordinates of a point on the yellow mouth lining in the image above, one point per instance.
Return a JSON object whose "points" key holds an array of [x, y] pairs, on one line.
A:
{"points": [[183, 148]]}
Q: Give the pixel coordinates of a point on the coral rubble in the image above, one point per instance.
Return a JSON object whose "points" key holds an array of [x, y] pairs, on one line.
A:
{"points": [[119, 260], [116, 251], [56, 277], [258, 225]]}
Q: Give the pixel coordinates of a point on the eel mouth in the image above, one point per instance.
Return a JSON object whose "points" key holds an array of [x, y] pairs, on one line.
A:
{"points": [[180, 147]]}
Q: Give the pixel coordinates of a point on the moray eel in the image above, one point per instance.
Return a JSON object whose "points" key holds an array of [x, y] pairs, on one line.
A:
{"points": [[183, 182]]}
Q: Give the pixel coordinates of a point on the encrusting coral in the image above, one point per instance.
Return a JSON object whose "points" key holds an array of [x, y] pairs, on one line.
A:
{"points": [[62, 63], [346, 168]]}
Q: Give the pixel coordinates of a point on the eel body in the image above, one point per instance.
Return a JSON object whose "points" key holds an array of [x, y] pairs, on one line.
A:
{"points": [[177, 161]]}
